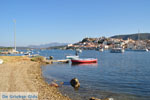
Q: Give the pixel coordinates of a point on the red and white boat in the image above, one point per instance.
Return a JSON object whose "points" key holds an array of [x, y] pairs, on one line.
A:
{"points": [[87, 60]]}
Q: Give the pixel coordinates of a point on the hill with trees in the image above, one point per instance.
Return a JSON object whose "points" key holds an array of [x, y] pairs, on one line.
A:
{"points": [[137, 36]]}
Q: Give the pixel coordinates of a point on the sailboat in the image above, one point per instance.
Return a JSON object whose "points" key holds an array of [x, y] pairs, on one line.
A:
{"points": [[140, 49]]}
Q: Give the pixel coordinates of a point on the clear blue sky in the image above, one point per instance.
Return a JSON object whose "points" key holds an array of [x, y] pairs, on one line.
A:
{"points": [[45, 21]]}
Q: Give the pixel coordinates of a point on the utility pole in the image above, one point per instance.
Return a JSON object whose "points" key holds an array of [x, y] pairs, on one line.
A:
{"points": [[15, 34]]}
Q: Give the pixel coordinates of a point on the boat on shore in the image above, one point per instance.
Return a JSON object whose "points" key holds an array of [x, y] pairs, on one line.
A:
{"points": [[117, 50], [1, 61], [86, 60]]}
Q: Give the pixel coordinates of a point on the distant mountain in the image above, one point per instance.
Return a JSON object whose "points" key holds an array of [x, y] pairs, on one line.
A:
{"points": [[1, 46], [137, 36], [53, 44], [13, 47]]}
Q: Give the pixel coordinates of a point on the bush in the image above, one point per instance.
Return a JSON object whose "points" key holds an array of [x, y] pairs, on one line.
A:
{"points": [[38, 59]]}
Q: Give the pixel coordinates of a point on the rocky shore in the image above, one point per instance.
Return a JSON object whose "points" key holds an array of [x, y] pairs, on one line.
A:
{"points": [[20, 74]]}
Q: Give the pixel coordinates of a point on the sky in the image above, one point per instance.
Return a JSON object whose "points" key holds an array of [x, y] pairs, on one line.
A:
{"points": [[69, 21]]}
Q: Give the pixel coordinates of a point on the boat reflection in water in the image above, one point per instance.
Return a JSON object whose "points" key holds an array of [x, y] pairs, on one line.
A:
{"points": [[85, 64]]}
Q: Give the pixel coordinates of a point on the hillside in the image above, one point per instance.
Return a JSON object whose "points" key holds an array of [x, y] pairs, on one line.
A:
{"points": [[140, 36], [53, 44]]}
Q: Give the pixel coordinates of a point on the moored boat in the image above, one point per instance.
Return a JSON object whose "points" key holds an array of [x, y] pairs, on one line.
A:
{"points": [[101, 50], [72, 57], [87, 60], [117, 50], [1, 61], [84, 64], [138, 50], [27, 54], [141, 50]]}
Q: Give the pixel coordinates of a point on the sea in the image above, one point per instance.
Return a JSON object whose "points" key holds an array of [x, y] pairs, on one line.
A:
{"points": [[121, 76]]}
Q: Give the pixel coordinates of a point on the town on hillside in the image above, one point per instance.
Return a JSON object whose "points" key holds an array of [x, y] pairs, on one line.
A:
{"points": [[109, 43]]}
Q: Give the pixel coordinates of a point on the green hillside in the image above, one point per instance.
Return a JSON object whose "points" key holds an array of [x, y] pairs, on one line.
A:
{"points": [[137, 36]]}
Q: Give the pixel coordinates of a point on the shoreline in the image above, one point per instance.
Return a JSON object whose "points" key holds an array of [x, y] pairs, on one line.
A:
{"points": [[20, 74]]}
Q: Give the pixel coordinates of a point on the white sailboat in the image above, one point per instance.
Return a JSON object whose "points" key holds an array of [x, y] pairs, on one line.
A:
{"points": [[140, 49]]}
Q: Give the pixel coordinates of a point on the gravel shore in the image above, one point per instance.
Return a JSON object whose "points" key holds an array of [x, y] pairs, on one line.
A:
{"points": [[20, 74]]}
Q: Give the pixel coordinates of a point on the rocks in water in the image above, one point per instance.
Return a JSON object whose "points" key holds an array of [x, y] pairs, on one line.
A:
{"points": [[51, 57], [54, 80], [93, 98], [109, 99], [75, 83], [54, 84], [48, 62], [61, 83]]}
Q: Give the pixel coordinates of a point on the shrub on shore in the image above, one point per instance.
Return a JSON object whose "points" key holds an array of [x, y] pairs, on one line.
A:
{"points": [[38, 59]]}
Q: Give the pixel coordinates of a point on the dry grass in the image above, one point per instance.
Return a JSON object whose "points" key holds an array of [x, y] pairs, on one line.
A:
{"points": [[10, 59]]}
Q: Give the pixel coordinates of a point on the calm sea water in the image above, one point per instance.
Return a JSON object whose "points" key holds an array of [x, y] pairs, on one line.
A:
{"points": [[120, 76]]}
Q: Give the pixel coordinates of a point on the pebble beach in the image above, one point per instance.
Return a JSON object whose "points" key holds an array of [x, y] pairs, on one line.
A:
{"points": [[20, 74]]}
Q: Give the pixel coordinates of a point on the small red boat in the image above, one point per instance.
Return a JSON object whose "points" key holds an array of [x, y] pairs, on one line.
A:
{"points": [[88, 60]]}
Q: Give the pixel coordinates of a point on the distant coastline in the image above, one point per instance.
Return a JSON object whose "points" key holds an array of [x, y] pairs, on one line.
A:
{"points": [[94, 43]]}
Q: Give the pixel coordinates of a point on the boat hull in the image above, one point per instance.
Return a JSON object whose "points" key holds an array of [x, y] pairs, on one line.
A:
{"points": [[117, 50], [84, 61]]}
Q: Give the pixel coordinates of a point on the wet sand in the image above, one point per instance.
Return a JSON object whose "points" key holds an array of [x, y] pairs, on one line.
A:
{"points": [[20, 74]]}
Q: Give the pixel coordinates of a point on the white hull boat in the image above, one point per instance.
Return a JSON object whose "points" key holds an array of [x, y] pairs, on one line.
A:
{"points": [[101, 50], [117, 50], [72, 57], [1, 61], [138, 50], [142, 50]]}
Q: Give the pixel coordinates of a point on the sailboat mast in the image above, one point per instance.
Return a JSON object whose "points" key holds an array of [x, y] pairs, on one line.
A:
{"points": [[15, 34]]}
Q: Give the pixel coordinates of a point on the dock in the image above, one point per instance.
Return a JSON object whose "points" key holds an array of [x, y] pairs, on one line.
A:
{"points": [[61, 61], [58, 61]]}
